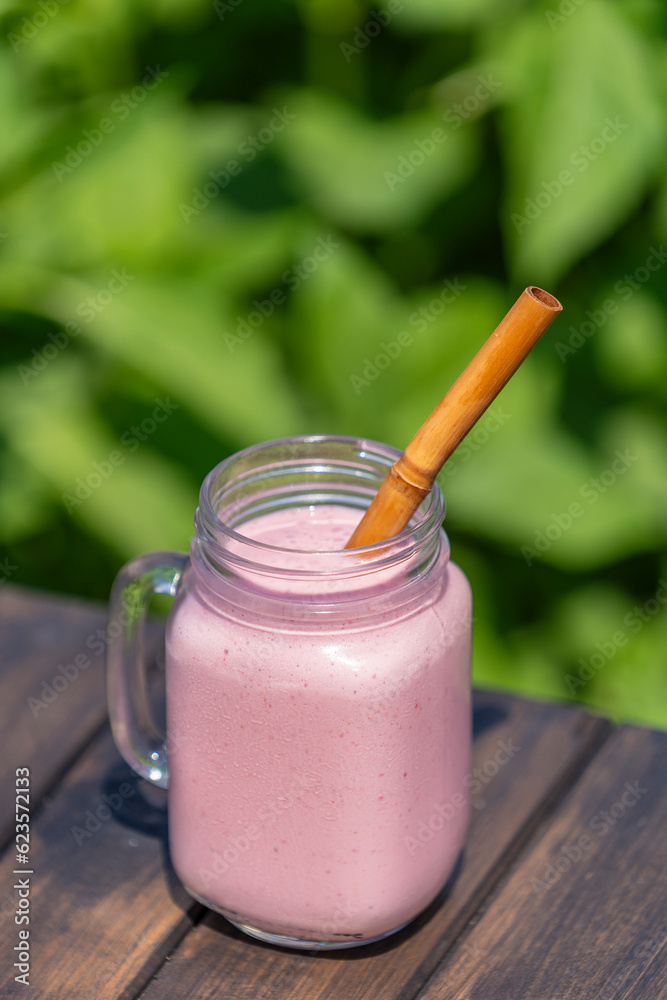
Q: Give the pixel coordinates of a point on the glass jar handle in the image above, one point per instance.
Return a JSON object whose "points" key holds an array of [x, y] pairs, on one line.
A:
{"points": [[134, 730]]}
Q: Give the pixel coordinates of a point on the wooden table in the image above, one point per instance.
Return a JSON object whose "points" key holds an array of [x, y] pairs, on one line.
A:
{"points": [[560, 893]]}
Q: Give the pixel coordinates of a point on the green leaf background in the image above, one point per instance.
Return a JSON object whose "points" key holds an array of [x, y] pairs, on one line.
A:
{"points": [[420, 181]]}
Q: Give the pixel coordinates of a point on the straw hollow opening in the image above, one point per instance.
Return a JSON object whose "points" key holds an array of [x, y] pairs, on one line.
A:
{"points": [[550, 301]]}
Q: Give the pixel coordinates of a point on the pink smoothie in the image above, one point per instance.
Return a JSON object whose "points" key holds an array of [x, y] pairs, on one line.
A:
{"points": [[318, 771]]}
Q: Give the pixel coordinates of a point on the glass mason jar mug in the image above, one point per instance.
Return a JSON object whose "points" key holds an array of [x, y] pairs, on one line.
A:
{"points": [[318, 699]]}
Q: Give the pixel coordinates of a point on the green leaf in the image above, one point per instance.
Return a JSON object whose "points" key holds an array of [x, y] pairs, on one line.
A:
{"points": [[110, 197], [178, 335], [25, 498], [448, 323], [645, 433], [434, 15], [119, 489], [339, 317], [372, 176], [522, 481], [632, 348], [377, 360], [21, 118], [633, 685], [584, 134]]}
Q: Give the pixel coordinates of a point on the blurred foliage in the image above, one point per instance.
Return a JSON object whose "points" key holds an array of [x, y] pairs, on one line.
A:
{"points": [[393, 177]]}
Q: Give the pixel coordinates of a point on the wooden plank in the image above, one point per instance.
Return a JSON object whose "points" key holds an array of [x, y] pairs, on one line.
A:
{"points": [[584, 913], [554, 745], [39, 634], [105, 905], [52, 690]]}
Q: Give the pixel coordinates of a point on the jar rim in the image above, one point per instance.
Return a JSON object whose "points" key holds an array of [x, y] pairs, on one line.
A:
{"points": [[216, 533]]}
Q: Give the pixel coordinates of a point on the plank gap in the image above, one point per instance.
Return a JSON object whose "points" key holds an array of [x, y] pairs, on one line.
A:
{"points": [[601, 731], [55, 781], [137, 987]]}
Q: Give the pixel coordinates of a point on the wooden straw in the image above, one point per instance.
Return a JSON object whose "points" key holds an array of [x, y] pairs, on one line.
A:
{"points": [[410, 479]]}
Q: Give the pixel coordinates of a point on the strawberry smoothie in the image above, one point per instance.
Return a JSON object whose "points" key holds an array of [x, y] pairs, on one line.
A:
{"points": [[317, 757]]}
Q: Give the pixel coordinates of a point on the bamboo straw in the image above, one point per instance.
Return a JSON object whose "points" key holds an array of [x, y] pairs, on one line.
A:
{"points": [[410, 478]]}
